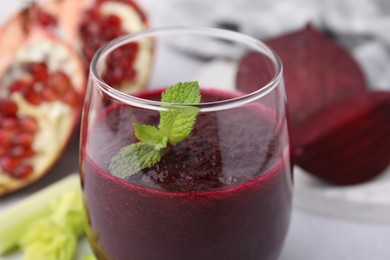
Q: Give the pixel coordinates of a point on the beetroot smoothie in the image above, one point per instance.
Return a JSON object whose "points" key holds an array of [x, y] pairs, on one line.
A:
{"points": [[222, 193]]}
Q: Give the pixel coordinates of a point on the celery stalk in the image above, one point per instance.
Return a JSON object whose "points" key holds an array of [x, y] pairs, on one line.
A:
{"points": [[15, 219]]}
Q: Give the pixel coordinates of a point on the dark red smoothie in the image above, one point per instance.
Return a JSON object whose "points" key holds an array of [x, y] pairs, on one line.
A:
{"points": [[222, 193]]}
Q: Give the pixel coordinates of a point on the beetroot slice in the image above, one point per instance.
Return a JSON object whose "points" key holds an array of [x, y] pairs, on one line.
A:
{"points": [[348, 142], [317, 72], [254, 71]]}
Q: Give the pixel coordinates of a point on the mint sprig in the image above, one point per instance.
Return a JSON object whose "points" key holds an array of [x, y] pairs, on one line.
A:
{"points": [[176, 124], [150, 135]]}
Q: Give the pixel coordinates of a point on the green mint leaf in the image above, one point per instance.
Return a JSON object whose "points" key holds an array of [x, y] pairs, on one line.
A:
{"points": [[133, 158], [182, 93], [177, 123], [150, 135]]}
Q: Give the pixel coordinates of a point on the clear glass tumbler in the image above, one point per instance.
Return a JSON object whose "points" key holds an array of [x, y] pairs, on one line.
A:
{"points": [[224, 190]]}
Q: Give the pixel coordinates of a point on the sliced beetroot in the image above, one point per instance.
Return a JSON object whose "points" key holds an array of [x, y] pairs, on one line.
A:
{"points": [[254, 71], [317, 72], [348, 142]]}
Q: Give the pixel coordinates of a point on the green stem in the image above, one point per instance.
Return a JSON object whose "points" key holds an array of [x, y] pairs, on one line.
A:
{"points": [[15, 219]]}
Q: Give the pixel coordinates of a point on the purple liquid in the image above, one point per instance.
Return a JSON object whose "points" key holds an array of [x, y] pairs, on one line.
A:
{"points": [[223, 193]]}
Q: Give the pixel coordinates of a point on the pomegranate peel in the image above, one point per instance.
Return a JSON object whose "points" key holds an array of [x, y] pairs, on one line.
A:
{"points": [[348, 142], [37, 131]]}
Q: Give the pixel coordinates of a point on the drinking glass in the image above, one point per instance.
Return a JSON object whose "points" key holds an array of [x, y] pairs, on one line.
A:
{"points": [[222, 192]]}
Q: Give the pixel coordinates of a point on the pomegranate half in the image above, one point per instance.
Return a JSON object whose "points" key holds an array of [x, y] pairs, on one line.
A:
{"points": [[89, 24], [42, 83]]}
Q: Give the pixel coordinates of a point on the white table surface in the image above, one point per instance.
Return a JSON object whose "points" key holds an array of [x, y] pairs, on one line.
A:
{"points": [[312, 236]]}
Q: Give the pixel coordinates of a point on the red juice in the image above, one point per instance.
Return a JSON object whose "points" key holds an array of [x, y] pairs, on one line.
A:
{"points": [[222, 193]]}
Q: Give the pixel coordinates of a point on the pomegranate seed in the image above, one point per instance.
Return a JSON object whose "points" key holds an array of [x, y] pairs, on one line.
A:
{"points": [[131, 56], [8, 108], [3, 150], [28, 124], [133, 47], [71, 98], [21, 171], [84, 29], [109, 34], [93, 28], [9, 163], [131, 74], [112, 25], [120, 64], [9, 123], [117, 75], [60, 82], [21, 151], [110, 20], [49, 94], [88, 52], [45, 19], [127, 64], [39, 71], [6, 137], [25, 138], [116, 32], [32, 96], [96, 30], [20, 84], [114, 56], [93, 15]]}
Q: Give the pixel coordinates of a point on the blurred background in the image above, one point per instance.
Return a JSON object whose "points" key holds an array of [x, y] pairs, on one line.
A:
{"points": [[363, 26]]}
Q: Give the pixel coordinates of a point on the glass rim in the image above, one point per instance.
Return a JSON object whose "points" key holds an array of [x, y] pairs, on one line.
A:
{"points": [[129, 99]]}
